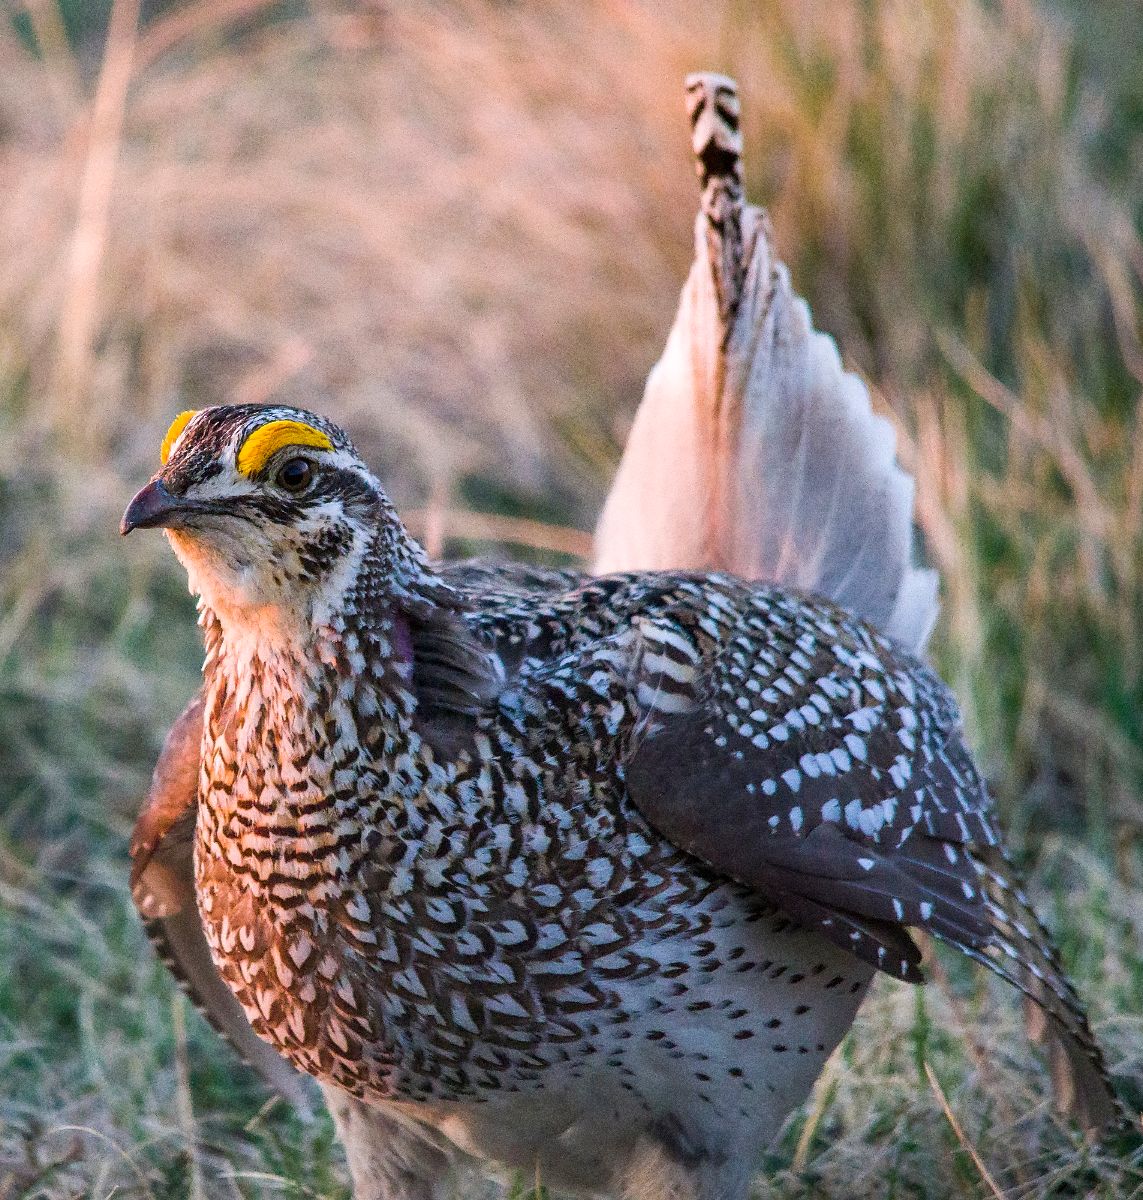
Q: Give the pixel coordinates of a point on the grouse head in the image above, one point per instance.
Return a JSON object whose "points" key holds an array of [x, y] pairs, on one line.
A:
{"points": [[271, 511]]}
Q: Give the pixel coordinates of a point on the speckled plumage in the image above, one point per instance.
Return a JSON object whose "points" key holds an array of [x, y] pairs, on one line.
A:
{"points": [[569, 872], [472, 917]]}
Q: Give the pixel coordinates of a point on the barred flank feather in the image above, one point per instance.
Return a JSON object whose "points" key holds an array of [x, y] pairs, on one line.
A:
{"points": [[162, 887]]}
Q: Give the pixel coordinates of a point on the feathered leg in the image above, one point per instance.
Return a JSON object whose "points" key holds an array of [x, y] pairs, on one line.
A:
{"points": [[390, 1157], [658, 1170]]}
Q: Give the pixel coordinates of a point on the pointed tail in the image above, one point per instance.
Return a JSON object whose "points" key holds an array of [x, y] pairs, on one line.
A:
{"points": [[753, 451]]}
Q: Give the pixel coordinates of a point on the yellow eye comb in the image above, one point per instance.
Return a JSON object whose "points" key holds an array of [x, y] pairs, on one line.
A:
{"points": [[268, 439], [172, 436]]}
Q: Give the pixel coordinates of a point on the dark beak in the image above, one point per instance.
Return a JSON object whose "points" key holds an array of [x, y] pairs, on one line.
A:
{"points": [[154, 507]]}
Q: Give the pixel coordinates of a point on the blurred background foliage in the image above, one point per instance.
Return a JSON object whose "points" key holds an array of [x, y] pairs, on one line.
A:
{"points": [[460, 228]]}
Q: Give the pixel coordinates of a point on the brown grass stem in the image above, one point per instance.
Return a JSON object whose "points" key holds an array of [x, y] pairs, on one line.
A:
{"points": [[79, 311], [966, 1145]]}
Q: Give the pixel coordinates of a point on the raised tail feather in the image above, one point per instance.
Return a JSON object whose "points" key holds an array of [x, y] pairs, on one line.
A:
{"points": [[753, 451]]}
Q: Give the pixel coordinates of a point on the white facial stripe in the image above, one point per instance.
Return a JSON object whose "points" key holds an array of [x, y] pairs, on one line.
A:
{"points": [[227, 484], [250, 571], [342, 460]]}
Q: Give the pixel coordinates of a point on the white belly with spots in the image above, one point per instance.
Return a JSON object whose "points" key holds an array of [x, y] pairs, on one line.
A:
{"points": [[713, 1070]]}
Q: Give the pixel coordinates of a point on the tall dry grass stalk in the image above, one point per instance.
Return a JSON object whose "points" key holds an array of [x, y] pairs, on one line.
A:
{"points": [[420, 220], [79, 309]]}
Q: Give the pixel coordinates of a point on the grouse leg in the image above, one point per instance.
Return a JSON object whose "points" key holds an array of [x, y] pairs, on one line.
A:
{"points": [[663, 1169], [390, 1157]]}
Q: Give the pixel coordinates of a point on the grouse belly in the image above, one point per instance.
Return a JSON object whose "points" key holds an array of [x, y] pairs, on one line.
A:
{"points": [[711, 1061]]}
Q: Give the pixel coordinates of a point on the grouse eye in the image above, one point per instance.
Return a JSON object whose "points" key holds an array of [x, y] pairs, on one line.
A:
{"points": [[295, 474]]}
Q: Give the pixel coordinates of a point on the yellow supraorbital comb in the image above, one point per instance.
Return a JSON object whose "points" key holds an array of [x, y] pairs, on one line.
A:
{"points": [[172, 436], [257, 450]]}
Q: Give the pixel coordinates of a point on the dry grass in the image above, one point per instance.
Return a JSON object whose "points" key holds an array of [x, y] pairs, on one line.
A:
{"points": [[460, 228], [419, 219]]}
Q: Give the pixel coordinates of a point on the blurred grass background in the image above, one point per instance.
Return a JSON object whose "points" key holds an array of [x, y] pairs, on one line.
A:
{"points": [[460, 228]]}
